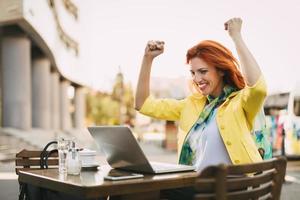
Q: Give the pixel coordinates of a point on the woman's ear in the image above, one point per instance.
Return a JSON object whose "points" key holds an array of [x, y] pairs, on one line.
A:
{"points": [[221, 72]]}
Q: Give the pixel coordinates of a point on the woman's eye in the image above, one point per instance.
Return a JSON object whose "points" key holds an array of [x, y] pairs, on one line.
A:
{"points": [[202, 71], [192, 73]]}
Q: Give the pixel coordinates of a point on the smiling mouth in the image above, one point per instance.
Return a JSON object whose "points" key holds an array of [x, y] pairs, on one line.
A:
{"points": [[202, 86]]}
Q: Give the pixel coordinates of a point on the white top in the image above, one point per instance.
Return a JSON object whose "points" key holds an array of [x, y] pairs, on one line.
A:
{"points": [[211, 149]]}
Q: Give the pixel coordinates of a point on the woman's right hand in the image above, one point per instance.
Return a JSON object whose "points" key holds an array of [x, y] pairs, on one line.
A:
{"points": [[154, 48]]}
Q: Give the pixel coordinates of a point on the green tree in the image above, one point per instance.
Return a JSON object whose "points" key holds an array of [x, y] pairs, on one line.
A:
{"points": [[102, 109], [114, 108]]}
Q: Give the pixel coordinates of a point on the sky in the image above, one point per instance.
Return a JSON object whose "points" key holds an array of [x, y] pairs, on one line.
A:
{"points": [[114, 33]]}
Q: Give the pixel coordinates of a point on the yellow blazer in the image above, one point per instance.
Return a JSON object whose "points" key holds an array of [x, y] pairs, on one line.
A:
{"points": [[235, 118]]}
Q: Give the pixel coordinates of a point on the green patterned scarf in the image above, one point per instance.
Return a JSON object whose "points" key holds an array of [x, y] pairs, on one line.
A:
{"points": [[186, 155]]}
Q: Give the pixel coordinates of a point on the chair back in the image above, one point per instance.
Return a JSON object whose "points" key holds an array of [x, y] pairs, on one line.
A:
{"points": [[239, 182], [28, 160]]}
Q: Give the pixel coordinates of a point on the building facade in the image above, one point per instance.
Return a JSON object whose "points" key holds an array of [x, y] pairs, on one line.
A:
{"points": [[39, 50]]}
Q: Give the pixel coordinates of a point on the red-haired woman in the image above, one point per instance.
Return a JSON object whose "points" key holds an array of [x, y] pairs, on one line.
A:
{"points": [[215, 123]]}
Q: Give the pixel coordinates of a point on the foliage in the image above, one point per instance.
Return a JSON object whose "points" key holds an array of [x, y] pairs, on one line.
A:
{"points": [[102, 109], [111, 109]]}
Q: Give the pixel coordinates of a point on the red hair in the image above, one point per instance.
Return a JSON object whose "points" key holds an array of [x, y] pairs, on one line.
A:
{"points": [[215, 54]]}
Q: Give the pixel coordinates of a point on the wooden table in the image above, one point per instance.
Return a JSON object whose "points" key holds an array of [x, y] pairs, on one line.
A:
{"points": [[91, 184]]}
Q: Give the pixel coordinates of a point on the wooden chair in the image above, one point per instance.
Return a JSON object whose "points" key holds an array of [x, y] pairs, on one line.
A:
{"points": [[28, 160], [250, 181]]}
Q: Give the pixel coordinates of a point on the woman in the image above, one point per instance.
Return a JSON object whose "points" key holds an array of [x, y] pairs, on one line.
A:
{"points": [[215, 123]]}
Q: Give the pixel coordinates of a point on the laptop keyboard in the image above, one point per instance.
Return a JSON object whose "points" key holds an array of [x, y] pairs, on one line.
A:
{"points": [[164, 166]]}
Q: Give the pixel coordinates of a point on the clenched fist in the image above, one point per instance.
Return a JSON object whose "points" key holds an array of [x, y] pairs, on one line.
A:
{"points": [[233, 26], [154, 48]]}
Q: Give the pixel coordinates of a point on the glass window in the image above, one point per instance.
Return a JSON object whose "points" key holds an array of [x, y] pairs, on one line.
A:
{"points": [[297, 106], [276, 102]]}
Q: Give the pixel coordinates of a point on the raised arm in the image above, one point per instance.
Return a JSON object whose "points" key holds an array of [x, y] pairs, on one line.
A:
{"points": [[249, 66], [153, 49]]}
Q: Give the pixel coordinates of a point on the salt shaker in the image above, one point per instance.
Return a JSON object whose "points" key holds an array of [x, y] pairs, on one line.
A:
{"points": [[74, 163]]}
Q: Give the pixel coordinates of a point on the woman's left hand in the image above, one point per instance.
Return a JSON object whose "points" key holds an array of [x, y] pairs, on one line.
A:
{"points": [[233, 26]]}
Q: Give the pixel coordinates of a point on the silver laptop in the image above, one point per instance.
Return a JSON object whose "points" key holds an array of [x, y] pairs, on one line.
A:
{"points": [[122, 151]]}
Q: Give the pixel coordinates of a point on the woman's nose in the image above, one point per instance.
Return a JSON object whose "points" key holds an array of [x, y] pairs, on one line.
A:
{"points": [[197, 77]]}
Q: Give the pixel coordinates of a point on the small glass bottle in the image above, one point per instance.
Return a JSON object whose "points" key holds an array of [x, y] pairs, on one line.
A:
{"points": [[74, 163]]}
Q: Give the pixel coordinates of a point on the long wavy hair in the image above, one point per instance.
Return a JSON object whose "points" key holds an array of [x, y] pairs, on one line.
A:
{"points": [[215, 54]]}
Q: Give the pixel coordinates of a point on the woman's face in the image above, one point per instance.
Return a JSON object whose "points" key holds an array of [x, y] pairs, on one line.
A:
{"points": [[208, 78]]}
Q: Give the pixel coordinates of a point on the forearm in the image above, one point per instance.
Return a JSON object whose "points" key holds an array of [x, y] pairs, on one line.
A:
{"points": [[143, 86], [249, 66]]}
